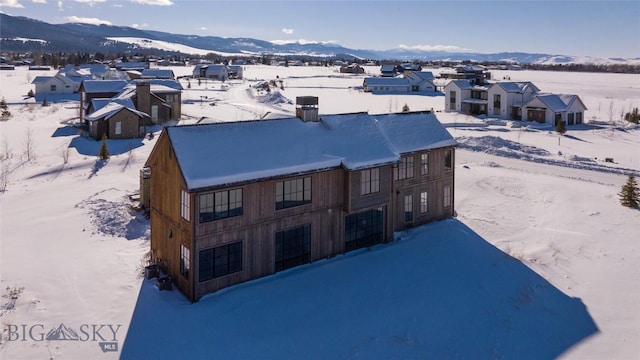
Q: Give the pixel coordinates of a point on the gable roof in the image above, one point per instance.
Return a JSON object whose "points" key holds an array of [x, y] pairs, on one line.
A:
{"points": [[267, 148], [388, 68], [111, 108], [556, 102], [462, 84], [103, 86], [158, 73], [517, 87]]}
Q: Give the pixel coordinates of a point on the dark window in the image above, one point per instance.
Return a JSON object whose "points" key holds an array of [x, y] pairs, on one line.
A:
{"points": [[293, 247], [220, 205], [220, 261], [578, 118], [369, 181], [496, 104], [447, 159], [570, 118], [53, 88], [404, 170], [363, 229], [452, 100], [291, 193], [408, 208], [447, 196]]}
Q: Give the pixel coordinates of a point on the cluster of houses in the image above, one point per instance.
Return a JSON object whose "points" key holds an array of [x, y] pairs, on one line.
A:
{"points": [[352, 181], [513, 100]]}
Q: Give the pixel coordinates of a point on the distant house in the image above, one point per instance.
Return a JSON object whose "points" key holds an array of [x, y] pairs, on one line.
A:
{"points": [[126, 66], [136, 105], [53, 85], [462, 96], [552, 108], [388, 70], [211, 71], [385, 84], [118, 119], [421, 81], [475, 74], [407, 67], [351, 69], [235, 71], [347, 182], [157, 74], [69, 79], [505, 98]]}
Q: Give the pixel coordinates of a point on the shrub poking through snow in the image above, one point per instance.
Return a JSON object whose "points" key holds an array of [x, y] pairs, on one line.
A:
{"points": [[104, 154], [630, 193]]}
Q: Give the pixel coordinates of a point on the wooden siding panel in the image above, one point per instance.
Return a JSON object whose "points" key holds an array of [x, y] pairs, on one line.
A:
{"points": [[358, 201]]}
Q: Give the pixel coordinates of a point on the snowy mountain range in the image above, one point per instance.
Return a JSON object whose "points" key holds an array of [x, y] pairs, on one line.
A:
{"points": [[25, 34]]}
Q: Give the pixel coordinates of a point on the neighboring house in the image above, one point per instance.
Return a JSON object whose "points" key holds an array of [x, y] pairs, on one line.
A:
{"points": [[211, 71], [505, 98], [420, 81], [118, 119], [388, 70], [475, 74], [127, 66], [345, 182], [155, 100], [405, 68], [53, 85], [157, 74], [552, 108], [386, 84], [461, 96], [235, 71], [68, 79], [352, 69], [97, 89]]}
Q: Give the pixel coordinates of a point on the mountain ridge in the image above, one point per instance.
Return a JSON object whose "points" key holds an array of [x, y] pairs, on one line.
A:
{"points": [[26, 34]]}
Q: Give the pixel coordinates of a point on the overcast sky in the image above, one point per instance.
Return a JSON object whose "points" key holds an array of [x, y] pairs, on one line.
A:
{"points": [[562, 27]]}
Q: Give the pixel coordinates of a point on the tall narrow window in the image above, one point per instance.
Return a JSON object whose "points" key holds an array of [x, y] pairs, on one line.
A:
{"points": [[184, 205], [452, 100], [290, 193], [184, 261], [404, 170], [496, 104], [118, 128], [424, 164], [369, 181], [424, 203], [293, 247], [408, 208], [447, 196], [447, 159]]}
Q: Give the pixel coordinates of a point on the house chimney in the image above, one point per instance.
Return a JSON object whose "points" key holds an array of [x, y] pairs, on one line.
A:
{"points": [[143, 96], [307, 108]]}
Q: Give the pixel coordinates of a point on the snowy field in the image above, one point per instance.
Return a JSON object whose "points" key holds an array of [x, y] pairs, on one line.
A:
{"points": [[540, 262]]}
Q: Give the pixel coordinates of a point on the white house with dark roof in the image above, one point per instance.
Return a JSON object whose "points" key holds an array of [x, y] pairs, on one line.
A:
{"points": [[386, 84], [388, 70], [421, 81], [211, 71], [551, 108], [461, 96], [505, 98], [156, 73], [221, 216]]}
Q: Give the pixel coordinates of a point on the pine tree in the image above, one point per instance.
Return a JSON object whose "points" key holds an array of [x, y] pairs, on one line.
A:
{"points": [[104, 154], [405, 108], [630, 193], [560, 129]]}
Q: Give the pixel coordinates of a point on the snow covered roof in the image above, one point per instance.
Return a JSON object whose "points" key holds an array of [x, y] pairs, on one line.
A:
{"points": [[462, 84], [41, 79], [424, 75], [555, 102], [103, 86], [265, 148], [111, 108], [386, 81], [517, 87], [158, 73]]}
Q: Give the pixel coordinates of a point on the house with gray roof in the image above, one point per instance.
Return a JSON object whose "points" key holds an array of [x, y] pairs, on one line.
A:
{"points": [[223, 213], [464, 97], [505, 98], [552, 108], [386, 84]]}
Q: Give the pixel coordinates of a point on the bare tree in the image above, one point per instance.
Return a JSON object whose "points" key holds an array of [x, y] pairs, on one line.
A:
{"points": [[29, 145], [6, 151], [4, 175]]}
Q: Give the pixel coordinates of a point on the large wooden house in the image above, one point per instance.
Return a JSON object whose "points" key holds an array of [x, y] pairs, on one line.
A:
{"points": [[231, 202]]}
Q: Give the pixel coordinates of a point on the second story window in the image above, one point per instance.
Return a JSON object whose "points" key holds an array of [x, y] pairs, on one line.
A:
{"points": [[424, 164], [369, 181], [404, 170], [290, 193], [220, 205], [184, 205], [447, 160]]}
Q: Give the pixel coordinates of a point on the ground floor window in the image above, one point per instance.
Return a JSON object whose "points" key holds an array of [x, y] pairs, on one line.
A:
{"points": [[184, 261], [293, 247], [408, 208], [570, 118], [578, 118], [363, 229], [447, 196], [220, 261], [424, 202], [118, 129]]}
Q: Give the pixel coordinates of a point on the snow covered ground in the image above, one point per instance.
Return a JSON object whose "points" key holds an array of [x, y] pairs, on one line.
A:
{"points": [[540, 262]]}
